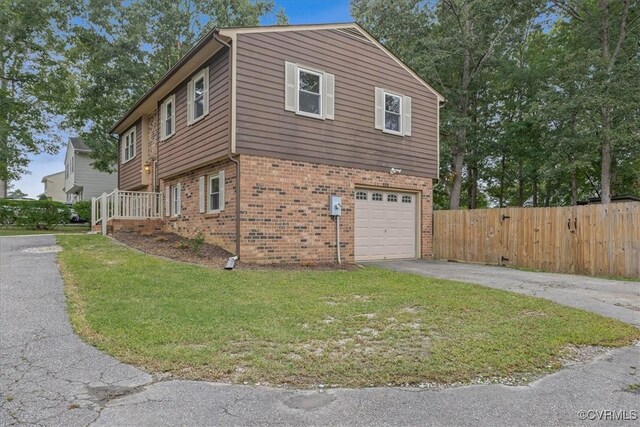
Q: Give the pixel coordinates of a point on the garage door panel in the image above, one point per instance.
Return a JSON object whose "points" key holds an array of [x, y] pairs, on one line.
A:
{"points": [[386, 228]]}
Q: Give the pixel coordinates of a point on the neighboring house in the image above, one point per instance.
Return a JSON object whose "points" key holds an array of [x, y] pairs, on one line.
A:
{"points": [[81, 180], [54, 187], [253, 129]]}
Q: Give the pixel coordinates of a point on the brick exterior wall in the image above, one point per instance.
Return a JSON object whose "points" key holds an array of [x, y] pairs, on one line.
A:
{"points": [[218, 228], [284, 209]]}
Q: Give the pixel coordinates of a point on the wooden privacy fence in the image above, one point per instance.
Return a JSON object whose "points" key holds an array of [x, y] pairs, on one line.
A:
{"points": [[591, 239]]}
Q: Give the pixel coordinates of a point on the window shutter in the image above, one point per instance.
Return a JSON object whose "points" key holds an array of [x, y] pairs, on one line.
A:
{"points": [[205, 94], [202, 194], [221, 175], [167, 201], [291, 86], [329, 88], [179, 198], [189, 102], [379, 108], [406, 113]]}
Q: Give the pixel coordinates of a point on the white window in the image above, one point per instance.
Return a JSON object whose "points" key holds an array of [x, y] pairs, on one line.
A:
{"points": [[198, 97], [175, 200], [406, 199], [168, 118], [215, 193], [376, 197], [392, 112], [361, 195], [129, 145], [392, 198], [309, 92]]}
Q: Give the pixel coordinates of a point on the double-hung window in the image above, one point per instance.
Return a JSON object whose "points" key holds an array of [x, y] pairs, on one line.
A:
{"points": [[309, 92], [393, 112], [214, 193], [168, 118], [129, 145], [198, 96], [175, 200]]}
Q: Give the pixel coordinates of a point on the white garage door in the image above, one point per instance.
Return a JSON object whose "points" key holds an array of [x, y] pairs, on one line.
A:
{"points": [[385, 225]]}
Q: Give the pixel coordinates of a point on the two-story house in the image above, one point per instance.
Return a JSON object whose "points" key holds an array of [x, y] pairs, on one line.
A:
{"points": [[81, 180], [252, 131]]}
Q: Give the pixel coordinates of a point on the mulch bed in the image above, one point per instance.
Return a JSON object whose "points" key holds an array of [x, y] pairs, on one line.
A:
{"points": [[173, 246]]}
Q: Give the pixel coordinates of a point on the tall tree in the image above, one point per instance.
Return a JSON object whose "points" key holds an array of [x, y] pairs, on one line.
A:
{"points": [[120, 49], [604, 36], [32, 80], [453, 43]]}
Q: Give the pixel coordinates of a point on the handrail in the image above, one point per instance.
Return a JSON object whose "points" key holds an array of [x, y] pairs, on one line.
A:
{"points": [[125, 205]]}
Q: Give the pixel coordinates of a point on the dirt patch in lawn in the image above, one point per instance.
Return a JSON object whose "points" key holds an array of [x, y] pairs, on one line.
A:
{"points": [[173, 246]]}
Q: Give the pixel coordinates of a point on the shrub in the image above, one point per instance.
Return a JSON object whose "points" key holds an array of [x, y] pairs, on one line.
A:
{"points": [[83, 209], [33, 214]]}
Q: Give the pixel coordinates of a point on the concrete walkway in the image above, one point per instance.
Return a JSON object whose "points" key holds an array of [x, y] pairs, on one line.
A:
{"points": [[48, 376], [612, 298]]}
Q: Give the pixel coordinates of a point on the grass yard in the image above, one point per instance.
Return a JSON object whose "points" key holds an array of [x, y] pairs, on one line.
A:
{"points": [[354, 328], [17, 231]]}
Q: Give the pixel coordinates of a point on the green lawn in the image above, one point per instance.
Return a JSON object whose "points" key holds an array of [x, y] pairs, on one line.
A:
{"points": [[17, 231], [347, 328]]}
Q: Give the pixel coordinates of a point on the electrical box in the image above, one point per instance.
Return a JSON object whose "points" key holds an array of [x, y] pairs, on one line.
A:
{"points": [[335, 205]]}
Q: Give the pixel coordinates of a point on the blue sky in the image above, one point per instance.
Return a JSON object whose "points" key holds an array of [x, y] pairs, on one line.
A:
{"points": [[298, 11]]}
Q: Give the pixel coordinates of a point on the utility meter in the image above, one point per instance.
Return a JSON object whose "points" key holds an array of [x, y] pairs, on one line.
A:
{"points": [[335, 205]]}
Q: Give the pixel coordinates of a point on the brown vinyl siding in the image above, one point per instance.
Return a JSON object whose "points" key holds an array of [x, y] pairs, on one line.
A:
{"points": [[206, 140], [130, 173], [264, 128]]}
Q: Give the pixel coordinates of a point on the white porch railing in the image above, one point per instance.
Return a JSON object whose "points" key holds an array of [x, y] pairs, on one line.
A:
{"points": [[125, 205]]}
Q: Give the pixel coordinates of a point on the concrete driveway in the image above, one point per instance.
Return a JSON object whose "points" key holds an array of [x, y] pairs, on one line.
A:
{"points": [[612, 298], [48, 376]]}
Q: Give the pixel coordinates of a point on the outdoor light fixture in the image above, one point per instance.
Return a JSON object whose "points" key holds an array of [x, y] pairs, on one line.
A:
{"points": [[147, 167]]}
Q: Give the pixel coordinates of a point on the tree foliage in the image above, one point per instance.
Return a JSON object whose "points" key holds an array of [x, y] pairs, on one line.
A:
{"points": [[542, 101], [120, 49], [33, 80]]}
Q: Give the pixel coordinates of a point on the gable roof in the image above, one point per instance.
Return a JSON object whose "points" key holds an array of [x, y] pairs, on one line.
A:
{"points": [[44, 178], [78, 144], [229, 33]]}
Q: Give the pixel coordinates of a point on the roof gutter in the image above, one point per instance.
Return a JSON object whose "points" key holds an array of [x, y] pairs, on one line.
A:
{"points": [[203, 41], [216, 32]]}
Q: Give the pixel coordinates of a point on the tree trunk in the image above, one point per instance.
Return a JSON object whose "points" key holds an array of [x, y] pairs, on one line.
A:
{"points": [[605, 155], [574, 188], [461, 142], [502, 172], [520, 184], [535, 191], [456, 188]]}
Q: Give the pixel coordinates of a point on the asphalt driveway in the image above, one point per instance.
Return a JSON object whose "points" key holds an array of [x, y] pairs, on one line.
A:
{"points": [[612, 298], [48, 376]]}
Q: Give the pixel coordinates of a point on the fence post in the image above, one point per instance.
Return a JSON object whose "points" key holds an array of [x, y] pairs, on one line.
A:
{"points": [[105, 215], [93, 212], [116, 203]]}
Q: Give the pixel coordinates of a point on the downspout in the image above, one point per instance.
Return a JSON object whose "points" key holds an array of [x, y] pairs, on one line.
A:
{"points": [[216, 31]]}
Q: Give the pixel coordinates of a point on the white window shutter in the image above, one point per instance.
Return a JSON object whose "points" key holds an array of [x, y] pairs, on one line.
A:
{"points": [[221, 175], [179, 198], [205, 95], [406, 113], [329, 89], [167, 201], [202, 194], [291, 86], [189, 102], [379, 108]]}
